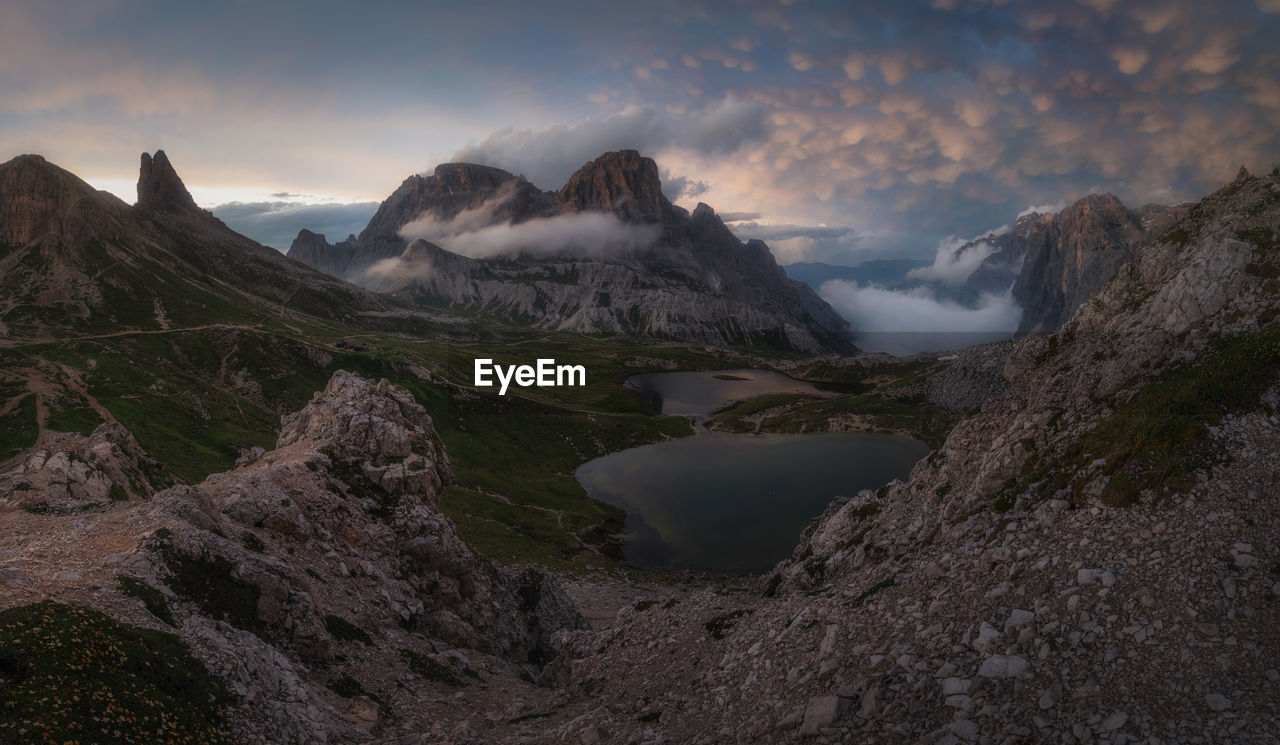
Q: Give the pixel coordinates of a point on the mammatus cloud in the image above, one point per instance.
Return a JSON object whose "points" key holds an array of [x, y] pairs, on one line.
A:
{"points": [[906, 121], [874, 309], [957, 258], [276, 224]]}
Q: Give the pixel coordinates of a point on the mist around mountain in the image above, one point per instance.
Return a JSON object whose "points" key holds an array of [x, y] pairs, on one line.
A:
{"points": [[606, 253], [1024, 278]]}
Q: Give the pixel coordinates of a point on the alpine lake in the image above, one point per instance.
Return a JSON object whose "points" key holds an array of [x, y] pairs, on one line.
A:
{"points": [[727, 502]]}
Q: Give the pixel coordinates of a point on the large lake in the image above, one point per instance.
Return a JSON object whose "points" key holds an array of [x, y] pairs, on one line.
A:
{"points": [[734, 502]]}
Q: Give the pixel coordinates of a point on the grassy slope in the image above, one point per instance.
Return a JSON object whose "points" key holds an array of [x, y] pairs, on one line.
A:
{"points": [[195, 398], [69, 674]]}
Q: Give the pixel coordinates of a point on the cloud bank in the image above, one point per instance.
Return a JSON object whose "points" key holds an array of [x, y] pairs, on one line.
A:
{"points": [[793, 243], [580, 234], [874, 309], [473, 232], [957, 258]]}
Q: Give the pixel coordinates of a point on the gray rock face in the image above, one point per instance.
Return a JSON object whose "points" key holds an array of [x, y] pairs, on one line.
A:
{"points": [[66, 470], [1053, 262], [696, 281], [974, 376], [340, 521], [1070, 256], [159, 187]]}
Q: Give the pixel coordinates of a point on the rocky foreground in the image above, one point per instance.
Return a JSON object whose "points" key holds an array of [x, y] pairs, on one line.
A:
{"points": [[1090, 558]]}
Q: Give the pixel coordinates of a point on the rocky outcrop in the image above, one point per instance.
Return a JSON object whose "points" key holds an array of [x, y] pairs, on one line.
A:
{"points": [[451, 189], [318, 580], [66, 472], [1052, 262], [693, 281], [1071, 256], [972, 376], [159, 187]]}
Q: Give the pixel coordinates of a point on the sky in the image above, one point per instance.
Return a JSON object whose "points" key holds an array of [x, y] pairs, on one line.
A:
{"points": [[837, 131]]}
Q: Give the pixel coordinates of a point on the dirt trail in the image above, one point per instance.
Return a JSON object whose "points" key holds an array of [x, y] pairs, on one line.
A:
{"points": [[42, 412], [133, 332], [74, 382]]}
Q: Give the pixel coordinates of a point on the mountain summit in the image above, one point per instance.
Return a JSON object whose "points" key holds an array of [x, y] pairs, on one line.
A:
{"points": [[623, 182], [607, 253], [159, 187], [73, 257]]}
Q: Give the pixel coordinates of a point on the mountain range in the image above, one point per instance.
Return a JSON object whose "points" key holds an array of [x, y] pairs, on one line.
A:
{"points": [[631, 262], [214, 530]]}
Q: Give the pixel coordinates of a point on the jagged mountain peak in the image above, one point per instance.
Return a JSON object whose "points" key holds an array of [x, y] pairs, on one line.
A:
{"points": [[108, 265], [159, 187], [693, 279], [624, 182], [472, 176]]}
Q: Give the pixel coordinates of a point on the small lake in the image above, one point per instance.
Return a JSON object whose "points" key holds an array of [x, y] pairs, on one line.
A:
{"points": [[734, 502], [700, 393]]}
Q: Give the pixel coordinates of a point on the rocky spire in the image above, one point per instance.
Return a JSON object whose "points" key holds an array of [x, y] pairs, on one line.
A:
{"points": [[159, 187]]}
